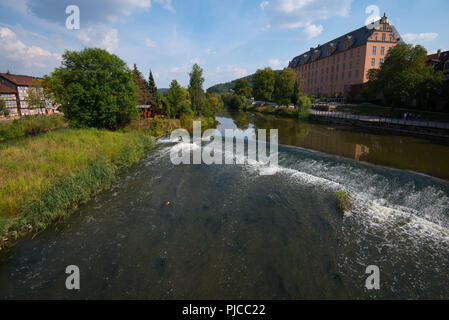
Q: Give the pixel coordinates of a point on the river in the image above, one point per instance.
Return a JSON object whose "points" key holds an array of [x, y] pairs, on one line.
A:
{"points": [[231, 232]]}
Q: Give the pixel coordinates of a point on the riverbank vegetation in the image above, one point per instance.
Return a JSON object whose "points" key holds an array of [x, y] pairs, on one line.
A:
{"points": [[44, 178], [275, 93], [31, 126], [405, 79]]}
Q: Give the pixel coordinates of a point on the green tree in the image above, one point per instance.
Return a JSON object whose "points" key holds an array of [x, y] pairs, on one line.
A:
{"points": [[175, 96], [404, 76], [196, 88], [35, 96], [94, 88], [285, 86], [242, 88], [3, 109], [152, 91], [296, 94], [142, 87], [264, 82]]}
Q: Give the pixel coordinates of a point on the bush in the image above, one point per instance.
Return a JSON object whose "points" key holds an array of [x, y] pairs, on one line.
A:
{"points": [[344, 202], [95, 89], [31, 126]]}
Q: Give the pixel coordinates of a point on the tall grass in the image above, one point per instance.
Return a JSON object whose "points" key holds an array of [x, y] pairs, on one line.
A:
{"points": [[43, 178], [30, 126]]}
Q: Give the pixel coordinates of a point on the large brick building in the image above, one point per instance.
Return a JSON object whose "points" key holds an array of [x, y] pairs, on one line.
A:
{"points": [[340, 67]]}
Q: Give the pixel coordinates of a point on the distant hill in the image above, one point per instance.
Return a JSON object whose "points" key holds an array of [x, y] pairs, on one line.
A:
{"points": [[162, 90], [226, 87]]}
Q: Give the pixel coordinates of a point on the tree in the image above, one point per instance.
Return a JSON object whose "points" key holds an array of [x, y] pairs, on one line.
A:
{"points": [[296, 94], [94, 88], [196, 87], [35, 96], [3, 109], [285, 86], [404, 76], [242, 88], [142, 87], [304, 104], [152, 91], [264, 82], [174, 96]]}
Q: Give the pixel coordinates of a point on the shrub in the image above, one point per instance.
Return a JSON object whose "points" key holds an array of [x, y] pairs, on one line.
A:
{"points": [[344, 202], [31, 126]]}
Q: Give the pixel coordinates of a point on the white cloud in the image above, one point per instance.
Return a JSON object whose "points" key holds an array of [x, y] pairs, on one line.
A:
{"points": [[15, 52], [99, 36], [195, 60], [274, 63], [291, 14], [312, 31], [150, 43], [209, 51], [231, 70], [264, 4], [177, 69], [167, 4], [419, 37]]}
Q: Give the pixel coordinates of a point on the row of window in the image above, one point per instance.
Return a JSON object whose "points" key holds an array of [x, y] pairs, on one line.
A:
{"points": [[334, 59], [373, 62], [332, 78], [382, 51]]}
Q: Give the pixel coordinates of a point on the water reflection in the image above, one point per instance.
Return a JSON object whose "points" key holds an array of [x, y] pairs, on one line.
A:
{"points": [[400, 152]]}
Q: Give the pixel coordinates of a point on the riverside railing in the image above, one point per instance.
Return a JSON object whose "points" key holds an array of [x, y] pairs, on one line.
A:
{"points": [[415, 123]]}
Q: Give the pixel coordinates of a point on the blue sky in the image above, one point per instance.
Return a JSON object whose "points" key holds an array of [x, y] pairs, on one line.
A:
{"points": [[228, 38]]}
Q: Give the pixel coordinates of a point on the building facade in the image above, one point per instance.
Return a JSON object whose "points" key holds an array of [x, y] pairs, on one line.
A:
{"points": [[440, 61], [340, 67], [14, 91]]}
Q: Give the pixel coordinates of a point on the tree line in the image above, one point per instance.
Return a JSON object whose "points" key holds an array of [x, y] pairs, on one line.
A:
{"points": [[97, 89], [283, 88]]}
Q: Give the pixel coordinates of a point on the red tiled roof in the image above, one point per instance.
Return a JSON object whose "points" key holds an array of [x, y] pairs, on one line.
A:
{"points": [[6, 89], [443, 56], [20, 80]]}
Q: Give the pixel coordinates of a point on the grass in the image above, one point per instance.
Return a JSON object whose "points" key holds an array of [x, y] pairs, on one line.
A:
{"points": [[30, 126], [344, 202], [44, 178]]}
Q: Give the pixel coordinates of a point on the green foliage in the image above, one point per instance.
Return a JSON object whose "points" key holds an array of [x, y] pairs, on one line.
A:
{"points": [[285, 87], [152, 91], [95, 89], [30, 126], [242, 88], [344, 202], [304, 104], [228, 86], [35, 95], [3, 109], [264, 82], [196, 88], [404, 76], [234, 101], [143, 96], [44, 178], [296, 94]]}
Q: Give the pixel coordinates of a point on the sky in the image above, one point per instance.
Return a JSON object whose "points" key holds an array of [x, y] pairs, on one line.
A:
{"points": [[229, 39]]}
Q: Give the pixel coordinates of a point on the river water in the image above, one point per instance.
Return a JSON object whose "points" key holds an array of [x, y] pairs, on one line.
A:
{"points": [[231, 232]]}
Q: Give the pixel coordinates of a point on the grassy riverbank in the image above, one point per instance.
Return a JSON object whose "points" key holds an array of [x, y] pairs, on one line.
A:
{"points": [[30, 126], [44, 178], [281, 111]]}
